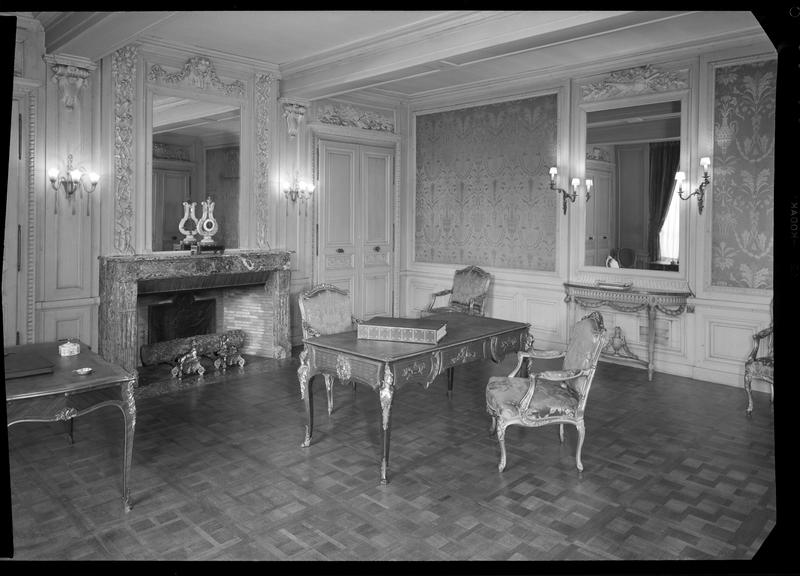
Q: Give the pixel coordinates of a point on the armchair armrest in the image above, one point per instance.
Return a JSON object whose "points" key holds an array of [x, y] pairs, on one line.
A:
{"points": [[436, 295], [540, 354], [553, 376], [355, 321], [757, 338]]}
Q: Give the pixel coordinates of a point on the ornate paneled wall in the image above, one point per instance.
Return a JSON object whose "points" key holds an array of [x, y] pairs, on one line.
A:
{"points": [[482, 194], [743, 175]]}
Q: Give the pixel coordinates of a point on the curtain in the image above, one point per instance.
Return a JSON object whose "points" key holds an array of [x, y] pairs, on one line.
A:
{"points": [[664, 160]]}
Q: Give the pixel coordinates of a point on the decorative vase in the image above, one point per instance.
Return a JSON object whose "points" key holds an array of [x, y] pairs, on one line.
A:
{"points": [[188, 214], [207, 225]]}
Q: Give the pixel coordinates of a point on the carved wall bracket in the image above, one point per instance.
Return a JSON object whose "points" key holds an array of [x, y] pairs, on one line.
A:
{"points": [[71, 73], [294, 112]]}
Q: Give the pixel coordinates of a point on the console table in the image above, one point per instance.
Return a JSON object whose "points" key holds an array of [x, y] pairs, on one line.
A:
{"points": [[669, 302], [386, 366], [63, 394]]}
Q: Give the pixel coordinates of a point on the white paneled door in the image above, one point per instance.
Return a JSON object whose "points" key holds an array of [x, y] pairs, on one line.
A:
{"points": [[354, 238]]}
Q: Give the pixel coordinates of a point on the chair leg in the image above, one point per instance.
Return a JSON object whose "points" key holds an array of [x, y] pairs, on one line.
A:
{"points": [[581, 433], [354, 390], [501, 439], [747, 385], [561, 433], [493, 425], [329, 389]]}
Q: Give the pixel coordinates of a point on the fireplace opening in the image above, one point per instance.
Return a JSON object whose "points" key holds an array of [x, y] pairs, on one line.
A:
{"points": [[180, 315]]}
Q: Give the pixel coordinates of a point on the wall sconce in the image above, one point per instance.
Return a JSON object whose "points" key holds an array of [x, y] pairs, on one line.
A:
{"points": [[299, 189], [576, 183], [700, 191], [72, 180]]}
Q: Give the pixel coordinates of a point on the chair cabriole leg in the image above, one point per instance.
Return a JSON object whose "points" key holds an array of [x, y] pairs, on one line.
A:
{"points": [[501, 439], [581, 434]]}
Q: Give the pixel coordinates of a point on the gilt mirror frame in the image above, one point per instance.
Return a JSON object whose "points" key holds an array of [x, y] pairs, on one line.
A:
{"points": [[634, 86], [195, 77]]}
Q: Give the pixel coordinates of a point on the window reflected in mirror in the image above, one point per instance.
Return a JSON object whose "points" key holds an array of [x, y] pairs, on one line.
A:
{"points": [[632, 154], [195, 156]]}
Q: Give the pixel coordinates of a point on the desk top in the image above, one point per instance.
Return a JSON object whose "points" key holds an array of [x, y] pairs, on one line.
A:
{"points": [[63, 380], [461, 329]]}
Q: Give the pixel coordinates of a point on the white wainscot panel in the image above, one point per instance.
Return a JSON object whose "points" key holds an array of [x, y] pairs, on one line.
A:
{"points": [[418, 294], [729, 340], [68, 322], [545, 315]]}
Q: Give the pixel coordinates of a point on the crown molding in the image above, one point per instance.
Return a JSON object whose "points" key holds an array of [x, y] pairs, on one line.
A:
{"points": [[157, 45]]}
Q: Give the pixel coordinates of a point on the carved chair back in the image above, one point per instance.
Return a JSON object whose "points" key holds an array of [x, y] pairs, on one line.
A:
{"points": [[589, 336], [325, 309], [470, 287]]}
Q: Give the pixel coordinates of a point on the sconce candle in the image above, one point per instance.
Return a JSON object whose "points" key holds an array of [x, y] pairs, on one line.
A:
{"points": [[298, 189], [564, 194], [72, 180], [589, 184], [700, 191]]}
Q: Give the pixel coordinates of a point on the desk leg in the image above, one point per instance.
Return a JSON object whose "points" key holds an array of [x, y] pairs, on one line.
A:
{"points": [[305, 394], [69, 428], [129, 417], [386, 393], [651, 339], [450, 377]]}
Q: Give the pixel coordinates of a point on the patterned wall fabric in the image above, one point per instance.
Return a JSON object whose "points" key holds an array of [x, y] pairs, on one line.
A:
{"points": [[743, 175], [482, 188]]}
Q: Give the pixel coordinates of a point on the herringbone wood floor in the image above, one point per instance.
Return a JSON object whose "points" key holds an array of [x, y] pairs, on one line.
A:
{"points": [[673, 470]]}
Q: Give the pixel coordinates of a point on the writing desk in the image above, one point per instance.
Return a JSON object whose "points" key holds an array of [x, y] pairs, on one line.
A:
{"points": [[386, 366], [63, 395]]}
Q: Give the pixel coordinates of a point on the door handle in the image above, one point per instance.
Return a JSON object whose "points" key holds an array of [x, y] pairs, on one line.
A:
{"points": [[591, 237], [377, 248], [340, 250]]}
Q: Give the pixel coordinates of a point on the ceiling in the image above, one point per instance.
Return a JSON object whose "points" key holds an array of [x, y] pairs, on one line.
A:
{"points": [[401, 54]]}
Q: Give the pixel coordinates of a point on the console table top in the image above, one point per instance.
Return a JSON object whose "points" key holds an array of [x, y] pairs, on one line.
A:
{"points": [[632, 290]]}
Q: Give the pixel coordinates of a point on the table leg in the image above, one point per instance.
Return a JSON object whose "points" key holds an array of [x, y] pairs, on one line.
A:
{"points": [[305, 394], [450, 378], [129, 417], [386, 393], [651, 339], [68, 426]]}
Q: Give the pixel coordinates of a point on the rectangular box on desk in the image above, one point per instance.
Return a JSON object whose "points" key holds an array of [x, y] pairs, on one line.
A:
{"points": [[418, 330]]}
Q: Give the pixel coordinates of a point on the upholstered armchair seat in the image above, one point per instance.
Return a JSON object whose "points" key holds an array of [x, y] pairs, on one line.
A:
{"points": [[551, 396]]}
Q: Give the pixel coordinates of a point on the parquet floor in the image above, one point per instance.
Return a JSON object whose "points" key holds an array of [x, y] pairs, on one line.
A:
{"points": [[673, 470]]}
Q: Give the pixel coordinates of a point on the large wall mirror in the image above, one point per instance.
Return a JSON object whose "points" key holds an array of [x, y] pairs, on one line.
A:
{"points": [[195, 156], [632, 150]]}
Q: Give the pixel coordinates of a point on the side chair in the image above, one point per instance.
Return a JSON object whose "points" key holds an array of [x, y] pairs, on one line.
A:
{"points": [[760, 363], [467, 296], [326, 309], [551, 397]]}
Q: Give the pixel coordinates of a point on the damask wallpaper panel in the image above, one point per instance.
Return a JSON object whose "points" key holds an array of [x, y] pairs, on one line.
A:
{"points": [[743, 175], [482, 185]]}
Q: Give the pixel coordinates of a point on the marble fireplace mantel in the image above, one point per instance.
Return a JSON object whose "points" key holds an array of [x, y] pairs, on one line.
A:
{"points": [[121, 275]]}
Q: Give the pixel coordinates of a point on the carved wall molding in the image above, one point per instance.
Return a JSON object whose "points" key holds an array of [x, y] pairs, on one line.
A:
{"points": [[164, 151], [123, 73], [263, 151], [199, 73], [71, 74], [294, 111], [340, 114], [646, 79]]}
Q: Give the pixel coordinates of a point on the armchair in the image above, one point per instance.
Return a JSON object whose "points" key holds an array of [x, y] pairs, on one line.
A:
{"points": [[551, 397], [760, 366], [468, 293], [326, 309]]}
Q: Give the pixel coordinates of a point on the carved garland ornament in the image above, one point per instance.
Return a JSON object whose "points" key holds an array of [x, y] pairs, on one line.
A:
{"points": [[386, 392], [344, 115], [123, 70], [198, 72], [262, 108], [638, 80]]}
